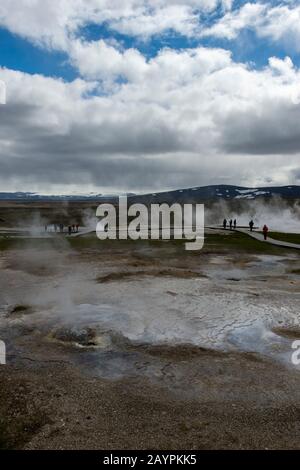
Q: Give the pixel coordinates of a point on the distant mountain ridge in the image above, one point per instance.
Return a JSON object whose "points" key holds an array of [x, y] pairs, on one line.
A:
{"points": [[28, 196], [225, 192], [201, 193]]}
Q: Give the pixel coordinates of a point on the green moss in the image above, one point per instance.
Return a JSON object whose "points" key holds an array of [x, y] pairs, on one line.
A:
{"points": [[295, 271], [239, 242], [286, 237], [10, 243], [235, 242]]}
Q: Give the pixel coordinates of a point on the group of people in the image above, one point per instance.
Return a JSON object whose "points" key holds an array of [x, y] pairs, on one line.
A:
{"points": [[74, 228], [232, 225]]}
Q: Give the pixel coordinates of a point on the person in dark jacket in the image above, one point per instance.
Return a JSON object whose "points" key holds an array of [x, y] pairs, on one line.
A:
{"points": [[234, 224], [251, 225], [224, 224], [230, 224]]}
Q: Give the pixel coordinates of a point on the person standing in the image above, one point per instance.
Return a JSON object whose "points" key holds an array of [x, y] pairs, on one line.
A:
{"points": [[265, 231], [251, 225], [230, 224], [234, 224], [224, 224]]}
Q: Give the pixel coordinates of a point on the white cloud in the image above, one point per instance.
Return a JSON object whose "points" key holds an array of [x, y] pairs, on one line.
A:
{"points": [[278, 23], [283, 67], [100, 60], [282, 24], [52, 23], [179, 18], [229, 26], [56, 23]]}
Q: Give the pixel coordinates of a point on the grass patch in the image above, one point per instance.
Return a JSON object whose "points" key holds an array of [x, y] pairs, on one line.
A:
{"points": [[295, 271], [7, 243], [290, 333], [286, 237], [127, 275], [236, 242], [240, 243], [217, 243]]}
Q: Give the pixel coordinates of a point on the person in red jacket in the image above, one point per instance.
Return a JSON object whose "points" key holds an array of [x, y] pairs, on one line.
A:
{"points": [[265, 231]]}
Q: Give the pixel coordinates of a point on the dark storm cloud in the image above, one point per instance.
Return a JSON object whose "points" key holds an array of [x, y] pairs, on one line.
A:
{"points": [[295, 174], [127, 153], [150, 135], [102, 171], [104, 155], [275, 130]]}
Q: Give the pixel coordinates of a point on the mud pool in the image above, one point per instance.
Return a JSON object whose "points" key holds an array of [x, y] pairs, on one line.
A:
{"points": [[123, 314]]}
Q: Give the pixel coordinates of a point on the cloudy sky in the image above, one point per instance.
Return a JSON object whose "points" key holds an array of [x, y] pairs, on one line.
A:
{"points": [[139, 95]]}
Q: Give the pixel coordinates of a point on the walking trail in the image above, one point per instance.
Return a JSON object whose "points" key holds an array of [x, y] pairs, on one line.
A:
{"points": [[260, 237]]}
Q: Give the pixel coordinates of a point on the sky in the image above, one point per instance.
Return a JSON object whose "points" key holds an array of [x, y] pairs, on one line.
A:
{"points": [[136, 95]]}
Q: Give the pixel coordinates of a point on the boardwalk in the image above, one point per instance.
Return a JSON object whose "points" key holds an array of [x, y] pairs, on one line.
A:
{"points": [[260, 237]]}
